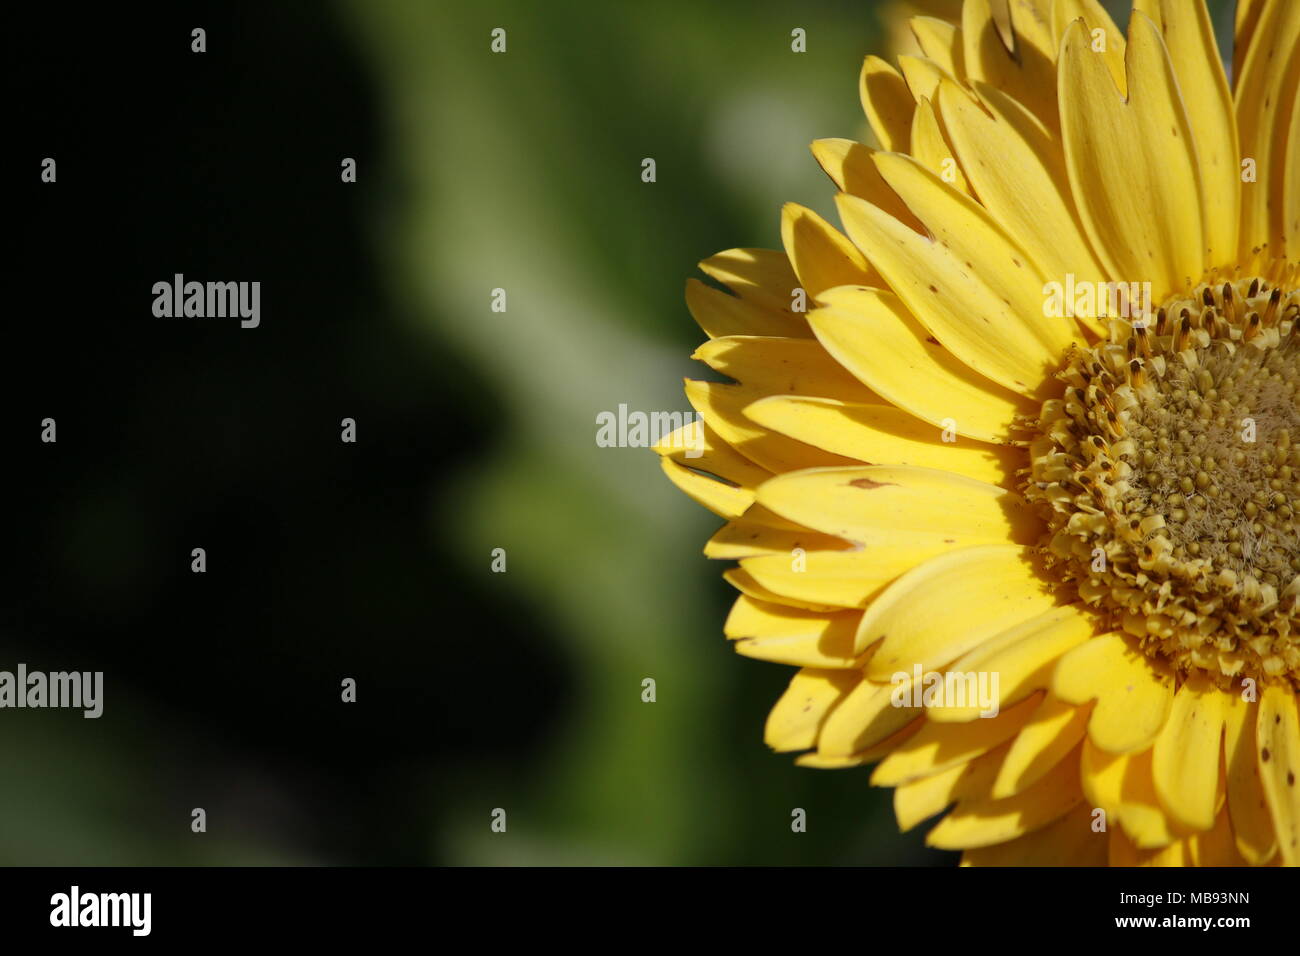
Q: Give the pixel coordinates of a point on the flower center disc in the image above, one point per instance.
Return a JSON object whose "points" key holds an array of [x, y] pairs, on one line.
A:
{"points": [[1169, 474]]}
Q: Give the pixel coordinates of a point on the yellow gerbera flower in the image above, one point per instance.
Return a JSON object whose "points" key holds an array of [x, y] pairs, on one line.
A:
{"points": [[1018, 491]]}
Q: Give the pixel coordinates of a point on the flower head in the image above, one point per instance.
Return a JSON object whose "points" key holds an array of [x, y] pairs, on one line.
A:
{"points": [[1017, 491]]}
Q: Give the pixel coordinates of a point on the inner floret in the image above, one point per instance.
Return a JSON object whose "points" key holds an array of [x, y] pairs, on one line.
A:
{"points": [[1169, 476]]}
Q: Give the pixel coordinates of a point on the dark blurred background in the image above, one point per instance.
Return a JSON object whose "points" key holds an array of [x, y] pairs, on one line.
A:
{"points": [[475, 431]]}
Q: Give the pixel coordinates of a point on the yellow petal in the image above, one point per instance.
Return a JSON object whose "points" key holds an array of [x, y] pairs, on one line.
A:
{"points": [[1029, 79], [951, 300], [871, 714], [882, 434], [1122, 785], [1103, 37], [1034, 43], [1102, 778], [821, 256], [752, 618], [1051, 733], [1019, 173], [833, 651], [702, 448], [1133, 693], [724, 500], [939, 747], [711, 472], [872, 334], [986, 822], [758, 516], [1015, 663], [1189, 34], [1185, 759], [719, 314], [951, 604], [776, 366], [1246, 23], [898, 20], [744, 582], [763, 276], [931, 149], [1124, 853], [1132, 163], [1216, 847], [887, 103], [979, 243], [1070, 841], [870, 755], [901, 507], [851, 168], [796, 717], [787, 635], [1291, 185], [941, 42], [1278, 738], [745, 538], [722, 408], [922, 77], [1266, 86], [836, 578], [923, 798], [1252, 823], [748, 536]]}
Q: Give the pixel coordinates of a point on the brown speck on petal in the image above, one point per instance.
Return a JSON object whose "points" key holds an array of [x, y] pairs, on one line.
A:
{"points": [[868, 483]]}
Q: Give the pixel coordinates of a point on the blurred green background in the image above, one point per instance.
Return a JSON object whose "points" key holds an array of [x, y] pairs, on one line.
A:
{"points": [[477, 690], [522, 171]]}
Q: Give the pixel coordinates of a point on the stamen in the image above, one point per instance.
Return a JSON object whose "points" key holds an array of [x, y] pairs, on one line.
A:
{"points": [[1270, 313]]}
